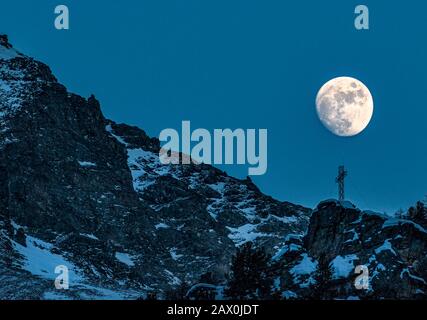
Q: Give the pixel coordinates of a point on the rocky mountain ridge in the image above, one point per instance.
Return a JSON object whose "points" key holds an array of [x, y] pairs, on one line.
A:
{"points": [[80, 190]]}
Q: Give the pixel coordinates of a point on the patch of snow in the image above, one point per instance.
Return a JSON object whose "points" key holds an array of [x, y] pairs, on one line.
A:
{"points": [[145, 167], [343, 266], [109, 129], [87, 164], [284, 219], [174, 255], [218, 187], [288, 294], [347, 205], [173, 280], [293, 236], [305, 267], [125, 258], [90, 236], [158, 207], [386, 246], [378, 214], [392, 222], [358, 220], [287, 248], [220, 293], [372, 258], [39, 261], [276, 283], [212, 208], [244, 234], [139, 174], [380, 267], [355, 236], [161, 226], [248, 212]]}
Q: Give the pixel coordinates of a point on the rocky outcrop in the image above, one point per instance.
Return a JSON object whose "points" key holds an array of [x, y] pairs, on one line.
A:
{"points": [[391, 249]]}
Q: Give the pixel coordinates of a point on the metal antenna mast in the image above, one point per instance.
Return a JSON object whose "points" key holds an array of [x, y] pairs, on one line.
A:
{"points": [[342, 173]]}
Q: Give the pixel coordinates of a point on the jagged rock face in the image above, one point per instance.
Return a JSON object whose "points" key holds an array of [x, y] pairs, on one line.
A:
{"points": [[391, 249], [329, 231], [201, 213], [80, 190]]}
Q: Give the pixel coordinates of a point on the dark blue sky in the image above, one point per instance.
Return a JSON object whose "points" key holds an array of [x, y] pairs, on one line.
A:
{"points": [[253, 64]]}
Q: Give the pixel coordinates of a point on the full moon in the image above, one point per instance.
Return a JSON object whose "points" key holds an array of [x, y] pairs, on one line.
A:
{"points": [[345, 106]]}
